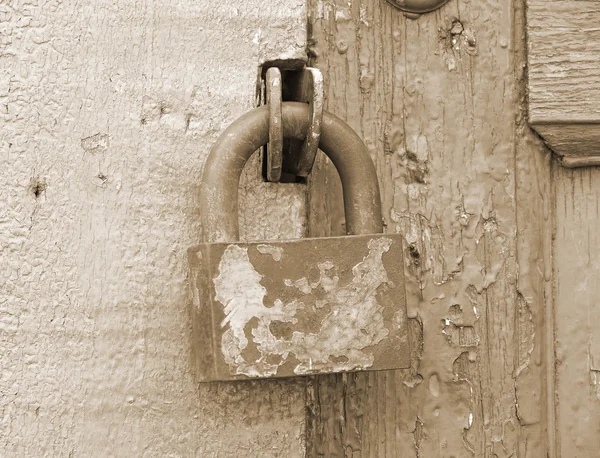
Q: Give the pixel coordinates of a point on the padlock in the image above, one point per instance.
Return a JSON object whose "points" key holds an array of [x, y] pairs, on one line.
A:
{"points": [[295, 307]]}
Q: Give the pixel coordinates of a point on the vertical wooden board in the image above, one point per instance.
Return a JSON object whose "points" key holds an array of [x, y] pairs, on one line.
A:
{"points": [[439, 103], [534, 374], [577, 269]]}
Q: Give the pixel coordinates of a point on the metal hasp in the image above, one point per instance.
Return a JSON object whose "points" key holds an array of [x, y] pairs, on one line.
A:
{"points": [[290, 155], [275, 146], [307, 88], [296, 307], [417, 6]]}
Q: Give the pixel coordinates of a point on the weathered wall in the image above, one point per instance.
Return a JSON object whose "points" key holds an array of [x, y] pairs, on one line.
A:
{"points": [[108, 111]]}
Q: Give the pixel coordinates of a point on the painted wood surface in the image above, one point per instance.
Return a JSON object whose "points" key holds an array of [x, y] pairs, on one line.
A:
{"points": [[564, 75], [577, 313], [440, 102]]}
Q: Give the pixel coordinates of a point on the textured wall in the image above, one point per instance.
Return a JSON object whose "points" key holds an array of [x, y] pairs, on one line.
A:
{"points": [[108, 110]]}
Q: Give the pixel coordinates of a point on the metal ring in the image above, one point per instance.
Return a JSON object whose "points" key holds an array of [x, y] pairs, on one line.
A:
{"points": [[275, 145], [417, 6], [226, 160], [306, 159]]}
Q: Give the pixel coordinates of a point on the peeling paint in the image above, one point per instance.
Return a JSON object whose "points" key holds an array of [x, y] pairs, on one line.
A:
{"points": [[274, 251], [446, 156], [463, 336], [526, 334], [94, 144], [303, 286], [595, 382]]}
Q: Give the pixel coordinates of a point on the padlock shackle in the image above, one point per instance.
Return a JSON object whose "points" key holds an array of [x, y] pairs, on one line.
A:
{"points": [[226, 160]]}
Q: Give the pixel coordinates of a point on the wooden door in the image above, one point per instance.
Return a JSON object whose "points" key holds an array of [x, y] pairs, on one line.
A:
{"points": [[441, 103]]}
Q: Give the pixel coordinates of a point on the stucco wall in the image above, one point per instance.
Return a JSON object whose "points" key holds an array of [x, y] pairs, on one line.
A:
{"points": [[108, 111]]}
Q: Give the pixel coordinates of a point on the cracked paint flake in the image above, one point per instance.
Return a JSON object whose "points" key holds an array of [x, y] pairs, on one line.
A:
{"points": [[354, 323], [275, 251], [94, 144], [595, 382]]}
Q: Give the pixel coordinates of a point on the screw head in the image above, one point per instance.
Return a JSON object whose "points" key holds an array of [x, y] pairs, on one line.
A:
{"points": [[417, 6]]}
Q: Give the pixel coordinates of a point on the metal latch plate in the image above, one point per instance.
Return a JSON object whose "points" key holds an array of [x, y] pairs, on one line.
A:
{"points": [[298, 307]]}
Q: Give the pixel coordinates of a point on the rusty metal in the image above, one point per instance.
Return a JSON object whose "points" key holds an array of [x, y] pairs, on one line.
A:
{"points": [[275, 145], [305, 86], [296, 307], [417, 6], [223, 167]]}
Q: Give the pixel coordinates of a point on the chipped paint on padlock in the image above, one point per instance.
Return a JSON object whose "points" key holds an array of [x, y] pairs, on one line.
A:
{"points": [[284, 308], [302, 307]]}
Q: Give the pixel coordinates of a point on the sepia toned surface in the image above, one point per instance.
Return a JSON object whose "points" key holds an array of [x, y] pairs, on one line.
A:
{"points": [[564, 76], [107, 112], [577, 314], [308, 306], [440, 102], [564, 107]]}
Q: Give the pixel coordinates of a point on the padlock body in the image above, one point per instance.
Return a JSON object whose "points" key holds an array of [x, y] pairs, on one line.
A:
{"points": [[298, 307]]}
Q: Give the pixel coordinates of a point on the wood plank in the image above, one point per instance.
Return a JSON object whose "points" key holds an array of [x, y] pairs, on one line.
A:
{"points": [[576, 270], [564, 74], [439, 101]]}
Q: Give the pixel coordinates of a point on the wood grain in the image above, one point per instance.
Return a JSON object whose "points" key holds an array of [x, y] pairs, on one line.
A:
{"points": [[564, 74], [576, 270], [440, 103]]}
